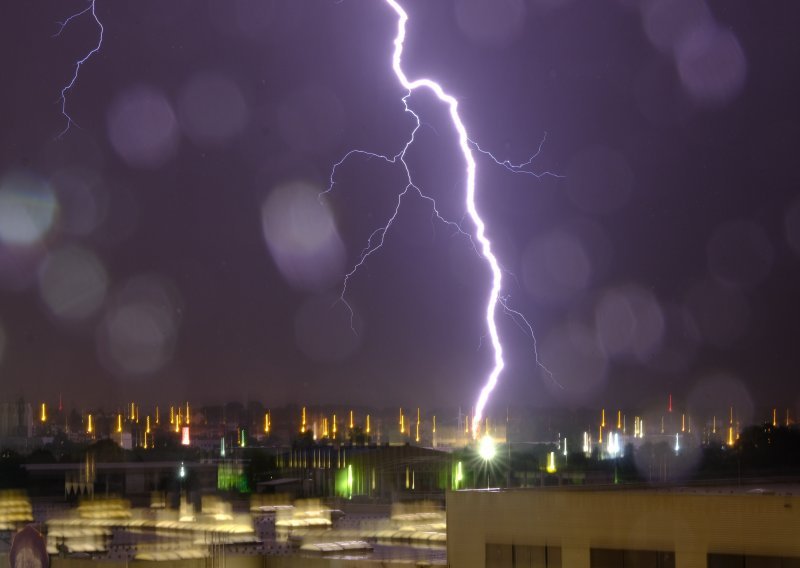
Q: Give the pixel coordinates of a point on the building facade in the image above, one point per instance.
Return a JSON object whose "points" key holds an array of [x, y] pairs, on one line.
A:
{"points": [[604, 528]]}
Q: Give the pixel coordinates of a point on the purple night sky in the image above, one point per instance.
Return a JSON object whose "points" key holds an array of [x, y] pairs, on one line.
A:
{"points": [[170, 245]]}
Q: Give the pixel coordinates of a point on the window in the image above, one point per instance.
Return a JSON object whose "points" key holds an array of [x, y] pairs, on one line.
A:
{"points": [[613, 558], [499, 556], [522, 556], [742, 561]]}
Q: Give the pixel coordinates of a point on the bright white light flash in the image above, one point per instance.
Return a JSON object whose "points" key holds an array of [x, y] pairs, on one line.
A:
{"points": [[487, 449]]}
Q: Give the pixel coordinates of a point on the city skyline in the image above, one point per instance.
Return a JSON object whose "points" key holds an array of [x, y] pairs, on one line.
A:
{"points": [[339, 421], [664, 260]]}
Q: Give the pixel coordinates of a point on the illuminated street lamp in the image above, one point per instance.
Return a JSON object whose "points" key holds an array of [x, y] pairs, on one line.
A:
{"points": [[487, 451]]}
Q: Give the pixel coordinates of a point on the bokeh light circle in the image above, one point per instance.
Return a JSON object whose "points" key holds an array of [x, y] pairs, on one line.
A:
{"points": [[211, 109], [142, 127], [658, 462], [139, 330], [711, 64], [28, 209], [301, 237], [668, 22], [575, 358], [716, 394], [720, 311], [82, 204], [72, 283], [629, 322]]}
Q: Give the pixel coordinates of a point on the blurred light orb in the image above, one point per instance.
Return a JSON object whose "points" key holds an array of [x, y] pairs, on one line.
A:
{"points": [[739, 252], [492, 23], [138, 333], [301, 237], [322, 330], [72, 282], [579, 365], [211, 109], [679, 343], [659, 462], [28, 209], [487, 448], [711, 64], [82, 206], [667, 22], [599, 180], [716, 393], [720, 312], [142, 127], [555, 267], [629, 322]]}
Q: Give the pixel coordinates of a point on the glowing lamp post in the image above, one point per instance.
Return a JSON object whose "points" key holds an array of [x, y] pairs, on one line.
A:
{"points": [[487, 451]]}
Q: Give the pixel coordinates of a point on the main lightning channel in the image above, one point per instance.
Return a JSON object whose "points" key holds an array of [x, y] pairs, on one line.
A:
{"points": [[480, 227], [482, 247], [79, 63]]}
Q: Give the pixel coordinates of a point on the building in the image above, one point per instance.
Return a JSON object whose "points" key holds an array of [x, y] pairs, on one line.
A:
{"points": [[134, 480], [16, 423], [392, 473], [715, 527]]}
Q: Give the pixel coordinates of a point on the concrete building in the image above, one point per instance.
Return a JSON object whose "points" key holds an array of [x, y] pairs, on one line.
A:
{"points": [[715, 527]]}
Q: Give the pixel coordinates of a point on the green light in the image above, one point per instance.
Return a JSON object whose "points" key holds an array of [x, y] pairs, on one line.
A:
{"points": [[459, 474], [341, 483], [231, 476], [350, 481]]}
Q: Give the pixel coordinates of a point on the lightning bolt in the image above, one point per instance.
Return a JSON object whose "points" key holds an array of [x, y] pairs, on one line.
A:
{"points": [[78, 64], [376, 240], [483, 246]]}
